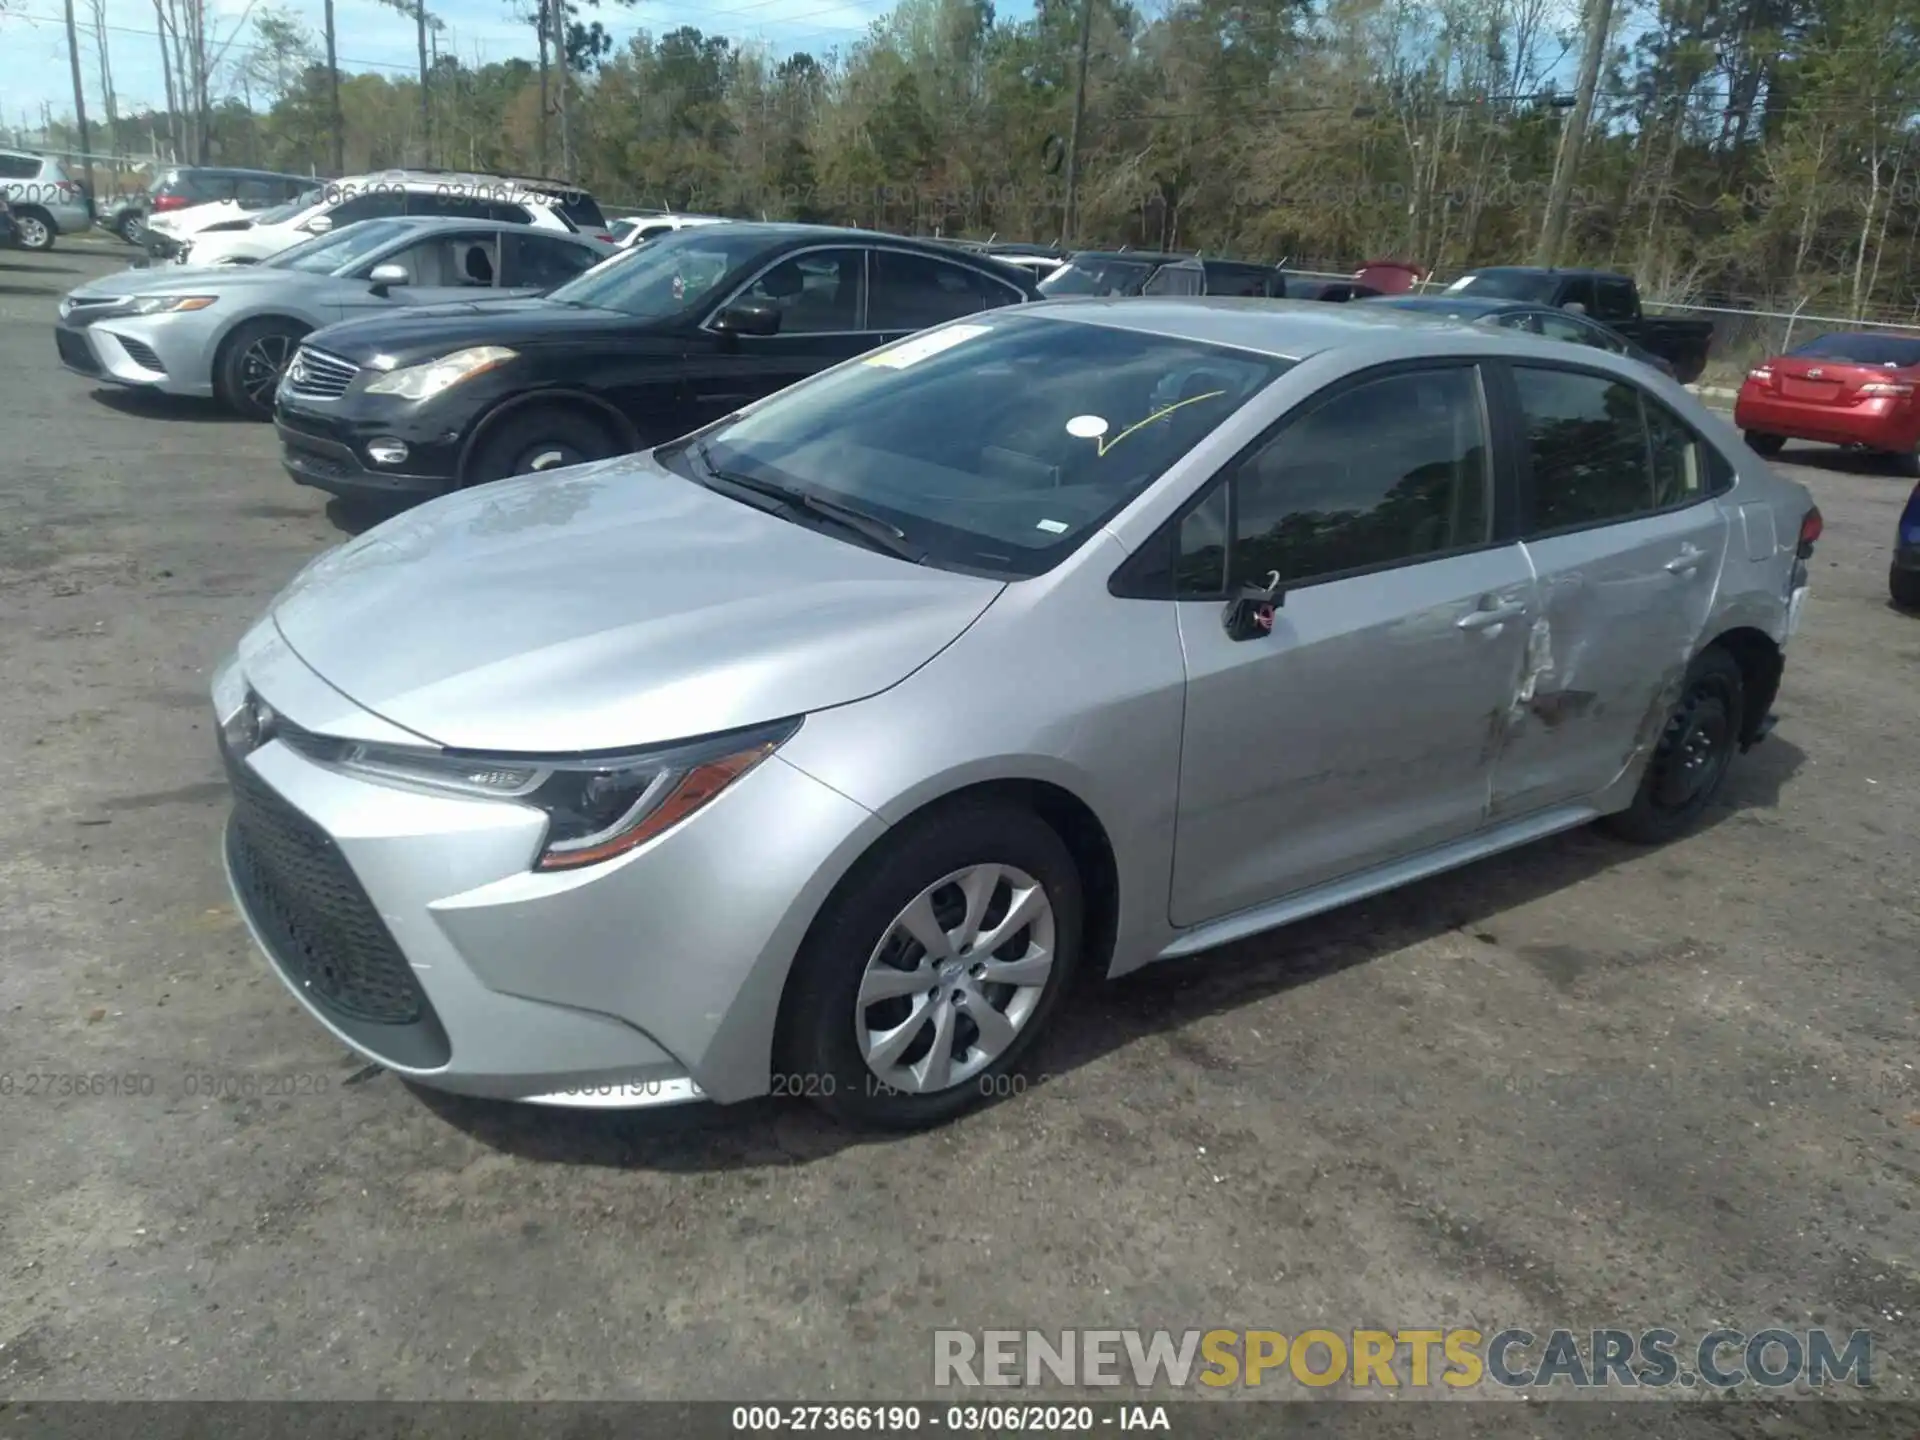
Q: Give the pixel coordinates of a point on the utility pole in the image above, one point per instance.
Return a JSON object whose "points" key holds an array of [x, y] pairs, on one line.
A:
{"points": [[79, 96], [426, 114], [333, 100], [1566, 165], [1069, 220]]}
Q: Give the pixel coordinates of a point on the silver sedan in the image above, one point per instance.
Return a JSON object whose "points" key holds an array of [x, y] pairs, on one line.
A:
{"points": [[228, 331], [816, 752]]}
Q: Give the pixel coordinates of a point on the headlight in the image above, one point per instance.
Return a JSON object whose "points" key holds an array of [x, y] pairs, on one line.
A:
{"points": [[169, 304], [596, 807], [423, 382]]}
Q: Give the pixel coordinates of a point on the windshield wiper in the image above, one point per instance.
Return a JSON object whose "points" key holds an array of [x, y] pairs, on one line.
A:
{"points": [[878, 533]]}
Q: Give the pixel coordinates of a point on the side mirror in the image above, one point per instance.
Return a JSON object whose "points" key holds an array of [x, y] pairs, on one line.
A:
{"points": [[748, 317], [1250, 615], [318, 225], [384, 277]]}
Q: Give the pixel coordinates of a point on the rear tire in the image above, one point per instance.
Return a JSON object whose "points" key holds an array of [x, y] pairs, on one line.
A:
{"points": [[1762, 443], [1904, 587], [251, 361], [34, 229], [131, 227], [1904, 463], [538, 440], [1696, 748], [864, 977]]}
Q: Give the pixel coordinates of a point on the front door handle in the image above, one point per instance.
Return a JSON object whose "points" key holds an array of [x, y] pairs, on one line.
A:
{"points": [[1495, 615], [1686, 562]]}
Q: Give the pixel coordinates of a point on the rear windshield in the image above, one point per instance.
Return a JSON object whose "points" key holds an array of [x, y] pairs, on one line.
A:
{"points": [[577, 207], [1864, 349], [1086, 276], [1505, 285]]}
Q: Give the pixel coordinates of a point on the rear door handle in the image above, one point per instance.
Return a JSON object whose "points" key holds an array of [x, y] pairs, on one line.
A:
{"points": [[1686, 562], [1496, 615]]}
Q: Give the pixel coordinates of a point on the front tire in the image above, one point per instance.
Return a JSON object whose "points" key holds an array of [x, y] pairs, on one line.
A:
{"points": [[131, 228], [933, 971], [539, 440], [1696, 748], [250, 365], [1762, 443]]}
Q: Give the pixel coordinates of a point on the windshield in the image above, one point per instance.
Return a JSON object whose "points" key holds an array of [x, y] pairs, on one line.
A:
{"points": [[1505, 285], [292, 208], [1864, 349], [995, 446], [668, 276], [1096, 277], [339, 249]]}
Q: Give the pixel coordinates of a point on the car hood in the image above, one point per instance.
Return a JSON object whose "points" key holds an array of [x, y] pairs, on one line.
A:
{"points": [[428, 331], [611, 606], [193, 279]]}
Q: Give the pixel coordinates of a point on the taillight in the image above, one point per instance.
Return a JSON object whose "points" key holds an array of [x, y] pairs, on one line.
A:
{"points": [[1810, 529], [604, 236], [169, 202], [1760, 373], [1886, 387]]}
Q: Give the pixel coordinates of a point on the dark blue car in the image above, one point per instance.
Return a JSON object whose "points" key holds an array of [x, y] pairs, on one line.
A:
{"points": [[1904, 578]]}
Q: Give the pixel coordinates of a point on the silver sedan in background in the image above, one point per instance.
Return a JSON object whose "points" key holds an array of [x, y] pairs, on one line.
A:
{"points": [[228, 331], [815, 752]]}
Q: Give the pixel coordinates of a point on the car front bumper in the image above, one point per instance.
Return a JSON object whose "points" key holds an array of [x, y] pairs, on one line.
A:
{"points": [[323, 443], [142, 352], [1882, 424], [410, 925], [1907, 557]]}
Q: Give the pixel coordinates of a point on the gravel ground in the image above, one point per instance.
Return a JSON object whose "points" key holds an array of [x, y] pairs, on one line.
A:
{"points": [[1577, 1085]]}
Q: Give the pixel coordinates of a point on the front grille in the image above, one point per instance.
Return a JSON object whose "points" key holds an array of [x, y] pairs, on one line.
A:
{"points": [[75, 351], [83, 309], [316, 375], [309, 906], [141, 354]]}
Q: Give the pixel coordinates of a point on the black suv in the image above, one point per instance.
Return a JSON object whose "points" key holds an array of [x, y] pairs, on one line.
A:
{"points": [[1148, 272], [643, 348]]}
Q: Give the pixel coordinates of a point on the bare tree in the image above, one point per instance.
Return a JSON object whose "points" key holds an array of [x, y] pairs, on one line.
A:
{"points": [[338, 127], [97, 11]]}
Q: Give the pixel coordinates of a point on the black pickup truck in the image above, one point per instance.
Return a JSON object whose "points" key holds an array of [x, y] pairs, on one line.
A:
{"points": [[1613, 300]]}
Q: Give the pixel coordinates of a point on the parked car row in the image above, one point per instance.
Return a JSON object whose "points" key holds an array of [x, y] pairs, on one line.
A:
{"points": [[43, 201]]}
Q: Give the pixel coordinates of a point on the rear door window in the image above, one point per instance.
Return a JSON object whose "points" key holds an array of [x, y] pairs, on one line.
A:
{"points": [[1613, 298], [912, 292], [1587, 450], [19, 167]]}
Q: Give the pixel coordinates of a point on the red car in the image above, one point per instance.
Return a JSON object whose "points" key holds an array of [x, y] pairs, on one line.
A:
{"points": [[1855, 390]]}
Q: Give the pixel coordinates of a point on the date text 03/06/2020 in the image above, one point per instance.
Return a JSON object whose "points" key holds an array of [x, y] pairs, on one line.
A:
{"points": [[950, 1419], [1437, 1358]]}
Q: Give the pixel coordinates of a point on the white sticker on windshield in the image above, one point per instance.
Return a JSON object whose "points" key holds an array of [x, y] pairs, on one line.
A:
{"points": [[1053, 527], [1086, 427], [912, 352]]}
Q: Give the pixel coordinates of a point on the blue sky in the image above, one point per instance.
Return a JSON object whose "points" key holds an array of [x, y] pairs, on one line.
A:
{"points": [[33, 45]]}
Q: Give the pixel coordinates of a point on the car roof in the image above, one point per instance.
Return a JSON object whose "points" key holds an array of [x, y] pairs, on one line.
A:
{"points": [[1575, 271], [455, 222], [1291, 329]]}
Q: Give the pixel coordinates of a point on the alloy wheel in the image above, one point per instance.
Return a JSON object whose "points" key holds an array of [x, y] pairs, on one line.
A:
{"points": [[955, 978], [262, 365], [34, 234]]}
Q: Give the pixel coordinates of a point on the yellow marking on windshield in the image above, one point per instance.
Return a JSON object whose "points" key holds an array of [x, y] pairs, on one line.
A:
{"points": [[1102, 445]]}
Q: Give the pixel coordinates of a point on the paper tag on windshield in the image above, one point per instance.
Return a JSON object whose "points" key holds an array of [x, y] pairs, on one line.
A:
{"points": [[912, 352]]}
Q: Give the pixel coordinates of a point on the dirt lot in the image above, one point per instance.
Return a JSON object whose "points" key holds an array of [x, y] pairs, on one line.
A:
{"points": [[1579, 1085]]}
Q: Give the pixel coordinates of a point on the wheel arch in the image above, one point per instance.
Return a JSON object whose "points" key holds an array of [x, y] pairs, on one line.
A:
{"points": [[579, 402], [223, 341], [1762, 664], [1068, 815]]}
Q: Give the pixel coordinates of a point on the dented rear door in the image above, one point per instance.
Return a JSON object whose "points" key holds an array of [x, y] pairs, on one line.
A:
{"points": [[1627, 543]]}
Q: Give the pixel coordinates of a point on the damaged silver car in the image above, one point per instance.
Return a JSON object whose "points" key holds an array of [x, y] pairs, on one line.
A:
{"points": [[816, 752]]}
